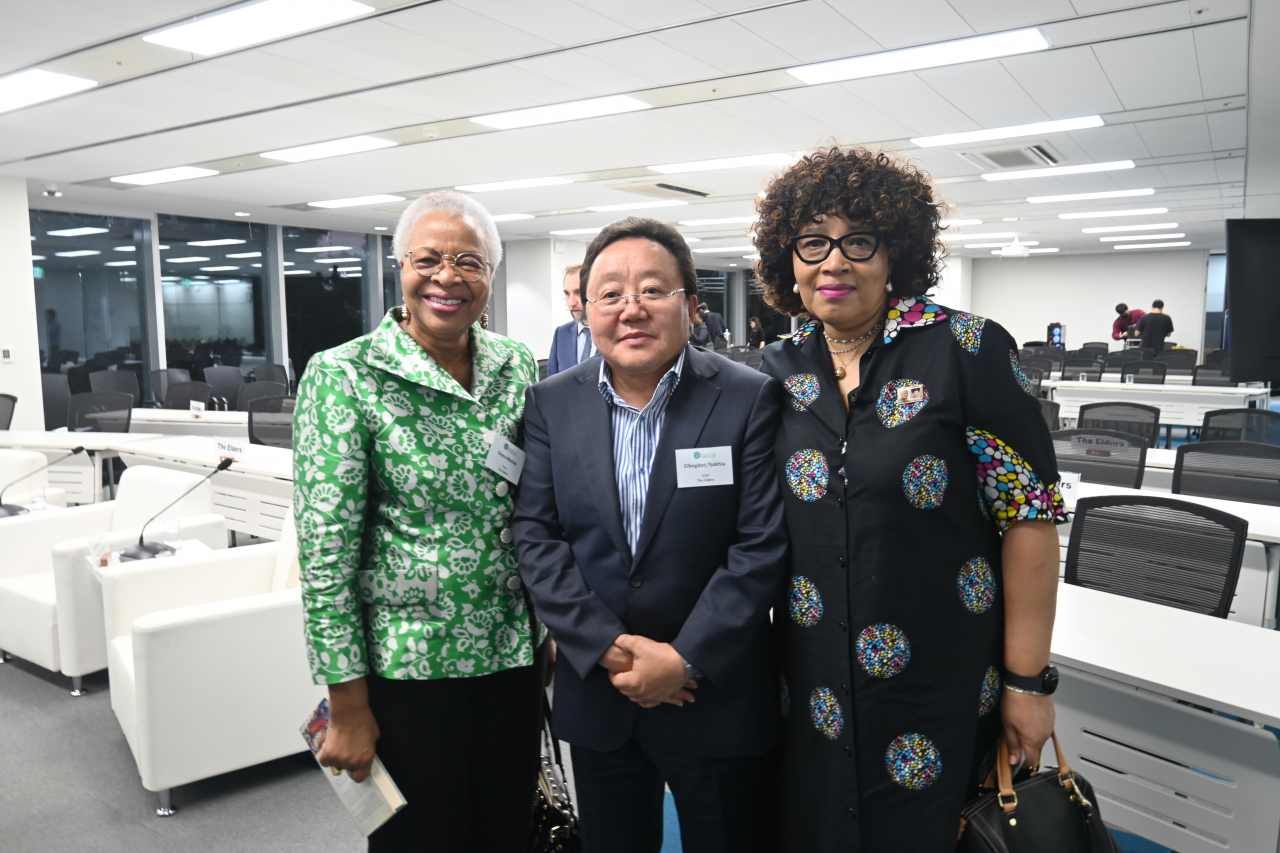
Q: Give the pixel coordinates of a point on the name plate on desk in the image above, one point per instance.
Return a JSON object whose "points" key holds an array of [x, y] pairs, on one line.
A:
{"points": [[1070, 482], [240, 450]]}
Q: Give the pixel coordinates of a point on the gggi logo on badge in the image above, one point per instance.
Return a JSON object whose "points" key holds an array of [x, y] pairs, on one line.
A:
{"points": [[698, 454]]}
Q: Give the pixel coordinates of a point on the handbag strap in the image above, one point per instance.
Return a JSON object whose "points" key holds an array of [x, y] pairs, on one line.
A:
{"points": [[1004, 775]]}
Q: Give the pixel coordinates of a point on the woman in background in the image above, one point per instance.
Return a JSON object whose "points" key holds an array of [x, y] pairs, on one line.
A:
{"points": [[755, 334]]}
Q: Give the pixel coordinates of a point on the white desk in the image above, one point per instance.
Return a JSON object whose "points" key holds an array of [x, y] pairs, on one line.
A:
{"points": [[179, 422], [1114, 378], [1179, 405], [1183, 777], [1157, 474], [254, 495], [81, 475]]}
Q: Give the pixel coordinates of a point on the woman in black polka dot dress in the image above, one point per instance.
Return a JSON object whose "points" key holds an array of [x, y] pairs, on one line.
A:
{"points": [[921, 492]]}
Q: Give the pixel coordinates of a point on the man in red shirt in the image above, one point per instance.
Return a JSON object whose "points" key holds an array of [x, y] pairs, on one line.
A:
{"points": [[1126, 320]]}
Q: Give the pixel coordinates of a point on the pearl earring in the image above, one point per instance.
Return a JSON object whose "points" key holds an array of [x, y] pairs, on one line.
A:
{"points": [[888, 287], [795, 288]]}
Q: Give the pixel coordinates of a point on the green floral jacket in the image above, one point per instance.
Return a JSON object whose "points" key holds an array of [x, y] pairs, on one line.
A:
{"points": [[408, 567]]}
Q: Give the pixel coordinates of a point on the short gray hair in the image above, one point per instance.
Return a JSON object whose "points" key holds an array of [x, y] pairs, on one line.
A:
{"points": [[459, 205]]}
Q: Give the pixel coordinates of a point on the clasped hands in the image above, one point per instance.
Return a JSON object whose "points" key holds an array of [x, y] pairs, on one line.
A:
{"points": [[648, 673]]}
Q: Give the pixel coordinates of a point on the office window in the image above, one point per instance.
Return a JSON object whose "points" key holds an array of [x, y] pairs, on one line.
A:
{"points": [[711, 290], [1215, 302], [88, 303], [775, 324], [323, 279], [391, 292], [212, 281]]}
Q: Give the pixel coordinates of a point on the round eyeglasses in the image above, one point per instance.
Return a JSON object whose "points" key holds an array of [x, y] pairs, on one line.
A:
{"points": [[857, 246], [611, 301], [427, 262]]}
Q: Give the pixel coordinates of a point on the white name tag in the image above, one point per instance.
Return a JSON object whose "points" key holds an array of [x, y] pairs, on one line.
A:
{"points": [[505, 459], [196, 405], [1070, 486], [706, 466]]}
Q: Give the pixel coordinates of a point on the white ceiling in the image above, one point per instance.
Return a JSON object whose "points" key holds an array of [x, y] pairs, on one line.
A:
{"points": [[1169, 78]]}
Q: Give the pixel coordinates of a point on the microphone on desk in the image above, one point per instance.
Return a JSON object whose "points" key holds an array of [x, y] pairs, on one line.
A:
{"points": [[143, 551], [7, 510]]}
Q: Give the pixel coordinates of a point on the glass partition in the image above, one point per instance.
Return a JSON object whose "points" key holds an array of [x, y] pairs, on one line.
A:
{"points": [[775, 325], [391, 292], [323, 278]]}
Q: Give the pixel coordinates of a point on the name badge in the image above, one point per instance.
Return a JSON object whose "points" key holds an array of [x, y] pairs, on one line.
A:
{"points": [[1070, 486], [911, 394], [706, 466], [505, 459]]}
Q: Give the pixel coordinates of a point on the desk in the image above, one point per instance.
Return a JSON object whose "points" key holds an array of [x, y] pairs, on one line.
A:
{"points": [[1157, 474], [1179, 405], [1114, 378], [80, 476], [180, 422], [1181, 776], [254, 496]]}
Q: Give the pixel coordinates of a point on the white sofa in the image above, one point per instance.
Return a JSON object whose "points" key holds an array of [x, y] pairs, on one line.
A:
{"points": [[35, 622], [16, 463], [207, 661]]}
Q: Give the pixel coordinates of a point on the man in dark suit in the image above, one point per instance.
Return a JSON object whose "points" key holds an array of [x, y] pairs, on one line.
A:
{"points": [[716, 326], [650, 533], [571, 342]]}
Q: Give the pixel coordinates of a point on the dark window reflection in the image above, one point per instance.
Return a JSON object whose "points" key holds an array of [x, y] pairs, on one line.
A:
{"points": [[775, 325], [323, 277], [391, 291]]}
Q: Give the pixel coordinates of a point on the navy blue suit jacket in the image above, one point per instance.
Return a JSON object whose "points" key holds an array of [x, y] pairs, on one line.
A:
{"points": [[564, 348], [710, 562]]}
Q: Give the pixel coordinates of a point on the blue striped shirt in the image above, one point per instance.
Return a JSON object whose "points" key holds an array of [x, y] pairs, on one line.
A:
{"points": [[635, 439]]}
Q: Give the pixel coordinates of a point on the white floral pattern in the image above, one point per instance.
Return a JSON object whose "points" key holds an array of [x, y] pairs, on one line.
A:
{"points": [[404, 571]]}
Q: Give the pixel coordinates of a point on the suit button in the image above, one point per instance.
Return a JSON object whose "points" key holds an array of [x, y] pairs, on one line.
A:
{"points": [[841, 559], [637, 582], [844, 627], [848, 750]]}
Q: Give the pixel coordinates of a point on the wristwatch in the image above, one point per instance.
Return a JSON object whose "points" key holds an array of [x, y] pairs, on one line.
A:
{"points": [[1043, 684], [691, 672]]}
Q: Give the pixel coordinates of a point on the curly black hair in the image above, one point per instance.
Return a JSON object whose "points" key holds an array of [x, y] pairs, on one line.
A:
{"points": [[890, 195]]}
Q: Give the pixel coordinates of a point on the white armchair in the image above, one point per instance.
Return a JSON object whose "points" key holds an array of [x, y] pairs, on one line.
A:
{"points": [[208, 643], [16, 463], [46, 615]]}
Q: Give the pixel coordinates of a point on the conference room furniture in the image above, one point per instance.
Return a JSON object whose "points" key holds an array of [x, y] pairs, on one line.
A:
{"points": [[1053, 354], [1139, 685], [1034, 376], [162, 379], [1082, 354], [1049, 409], [7, 404], [258, 390], [55, 621], [1115, 360], [271, 373], [122, 381], [1218, 373], [1102, 456], [542, 369], [1143, 372], [100, 411], [1231, 470], [271, 421], [1180, 405], [1074, 368], [27, 480], [1218, 356], [1039, 362], [1104, 346], [225, 382], [181, 395], [207, 662], [1181, 360], [255, 494], [1133, 418], [57, 397], [208, 423], [1260, 425], [80, 476]]}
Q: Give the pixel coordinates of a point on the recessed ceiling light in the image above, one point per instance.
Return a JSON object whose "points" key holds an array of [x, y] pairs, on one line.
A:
{"points": [[227, 281], [78, 253], [242, 213], [164, 176], [522, 183], [332, 148], [163, 248], [191, 260], [572, 231], [380, 228], [355, 201], [1159, 226], [201, 277], [733, 265], [997, 245], [245, 255], [336, 260], [994, 235], [297, 272], [956, 223], [637, 205], [725, 163], [1055, 171], [1152, 245], [727, 249], [34, 85], [324, 249], [1041, 199], [727, 220], [926, 56], [1017, 130], [349, 269], [569, 111], [1139, 211], [255, 265], [224, 242], [75, 232], [125, 248], [1038, 251], [121, 264], [286, 263], [752, 257], [37, 257], [246, 25], [1142, 237], [512, 217], [218, 269], [689, 239]]}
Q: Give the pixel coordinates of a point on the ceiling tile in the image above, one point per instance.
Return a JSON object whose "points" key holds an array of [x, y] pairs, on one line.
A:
{"points": [[985, 92], [1190, 174], [845, 113], [581, 70], [1111, 142], [1066, 83], [1095, 7], [1154, 70], [560, 21], [1230, 169], [646, 57], [1228, 130], [1185, 135], [656, 13], [501, 40], [991, 15], [905, 22], [403, 53], [1223, 54], [811, 32], [911, 101], [727, 46]]}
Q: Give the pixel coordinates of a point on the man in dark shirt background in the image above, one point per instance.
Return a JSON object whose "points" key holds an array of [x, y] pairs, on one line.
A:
{"points": [[1126, 320], [1153, 328]]}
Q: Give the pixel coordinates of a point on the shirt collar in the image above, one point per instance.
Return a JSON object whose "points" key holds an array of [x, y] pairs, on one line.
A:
{"points": [[394, 350], [910, 313], [581, 325], [666, 385]]}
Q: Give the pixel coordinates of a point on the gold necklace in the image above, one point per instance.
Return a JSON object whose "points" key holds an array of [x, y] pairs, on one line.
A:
{"points": [[857, 344]]}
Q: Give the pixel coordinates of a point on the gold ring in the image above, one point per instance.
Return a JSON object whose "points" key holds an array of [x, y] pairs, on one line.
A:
{"points": [[337, 771]]}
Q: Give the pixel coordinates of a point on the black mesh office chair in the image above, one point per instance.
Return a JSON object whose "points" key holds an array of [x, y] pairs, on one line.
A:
{"points": [[1044, 365], [1035, 376], [1218, 373], [182, 394], [1143, 372], [271, 421], [1050, 409], [1102, 345], [542, 369], [1115, 360], [1102, 456], [1133, 418], [162, 379], [1157, 549], [754, 359], [1074, 368], [226, 383], [1243, 471], [1258, 425], [7, 404], [271, 373], [100, 411], [1218, 356], [123, 381], [1087, 352], [57, 394], [256, 391]]}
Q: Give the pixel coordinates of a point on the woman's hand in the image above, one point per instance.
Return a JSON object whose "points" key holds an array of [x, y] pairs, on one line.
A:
{"points": [[352, 736], [1028, 723]]}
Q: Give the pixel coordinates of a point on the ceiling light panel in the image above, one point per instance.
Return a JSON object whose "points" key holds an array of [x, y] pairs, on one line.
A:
{"points": [[636, 205], [164, 176], [730, 220], [332, 148], [997, 245], [249, 25], [1042, 199], [356, 201], [1107, 229], [1098, 214], [324, 249], [75, 232], [926, 56], [956, 223], [121, 264], [78, 253], [512, 217], [225, 242], [726, 249], [349, 269], [1014, 132], [35, 85], [1058, 171], [241, 254], [218, 269], [1174, 236], [523, 183], [125, 248], [570, 111], [576, 231], [1152, 245], [336, 260], [725, 163], [995, 235], [191, 260]]}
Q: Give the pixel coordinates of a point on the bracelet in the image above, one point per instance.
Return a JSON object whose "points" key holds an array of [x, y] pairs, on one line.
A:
{"points": [[1008, 686]]}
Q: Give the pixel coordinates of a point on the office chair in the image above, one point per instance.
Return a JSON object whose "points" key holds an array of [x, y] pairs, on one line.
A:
{"points": [[1132, 418], [1245, 471], [1258, 425], [1102, 456]]}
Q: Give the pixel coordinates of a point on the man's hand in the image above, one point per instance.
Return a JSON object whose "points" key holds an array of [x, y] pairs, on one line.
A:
{"points": [[656, 675], [617, 659]]}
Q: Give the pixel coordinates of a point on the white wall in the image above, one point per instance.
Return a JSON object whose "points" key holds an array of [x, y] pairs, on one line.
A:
{"points": [[535, 303], [1025, 295], [955, 287], [18, 327]]}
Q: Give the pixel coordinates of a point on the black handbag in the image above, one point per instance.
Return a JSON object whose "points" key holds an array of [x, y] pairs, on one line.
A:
{"points": [[1051, 812], [555, 824]]}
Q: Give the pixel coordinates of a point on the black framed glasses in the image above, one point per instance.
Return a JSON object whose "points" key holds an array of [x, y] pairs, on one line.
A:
{"points": [[611, 300], [427, 262], [857, 246]]}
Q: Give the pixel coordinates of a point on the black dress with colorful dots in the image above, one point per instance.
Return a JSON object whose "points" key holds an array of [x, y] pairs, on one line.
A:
{"points": [[892, 624]]}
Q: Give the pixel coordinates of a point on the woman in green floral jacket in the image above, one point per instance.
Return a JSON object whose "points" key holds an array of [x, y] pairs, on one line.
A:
{"points": [[414, 613]]}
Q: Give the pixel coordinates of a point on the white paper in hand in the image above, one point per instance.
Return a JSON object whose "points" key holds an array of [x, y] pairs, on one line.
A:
{"points": [[370, 803]]}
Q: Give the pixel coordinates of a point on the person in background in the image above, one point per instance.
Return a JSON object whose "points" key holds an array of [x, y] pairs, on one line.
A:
{"points": [[755, 334], [52, 338], [715, 325], [1154, 327], [656, 584], [921, 492], [1126, 321], [701, 335], [571, 342], [413, 608]]}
